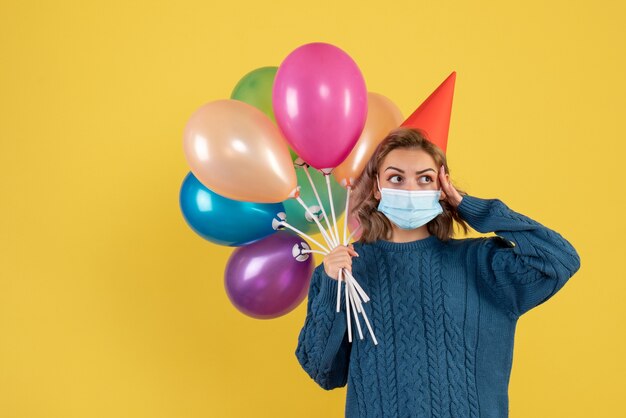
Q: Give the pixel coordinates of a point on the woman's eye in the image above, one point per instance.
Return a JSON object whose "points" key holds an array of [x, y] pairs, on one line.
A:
{"points": [[395, 177], [428, 178]]}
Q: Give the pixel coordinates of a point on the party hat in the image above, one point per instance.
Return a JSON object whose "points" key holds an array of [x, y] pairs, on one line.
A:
{"points": [[433, 115]]}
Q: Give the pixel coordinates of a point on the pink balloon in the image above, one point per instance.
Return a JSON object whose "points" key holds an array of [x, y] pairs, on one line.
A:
{"points": [[320, 103]]}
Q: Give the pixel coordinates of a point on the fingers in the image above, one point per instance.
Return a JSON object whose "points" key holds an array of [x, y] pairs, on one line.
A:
{"points": [[340, 257], [451, 194], [445, 183], [342, 249], [340, 260]]}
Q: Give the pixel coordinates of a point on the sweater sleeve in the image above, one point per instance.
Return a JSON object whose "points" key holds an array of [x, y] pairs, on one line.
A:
{"points": [[323, 349], [526, 263]]}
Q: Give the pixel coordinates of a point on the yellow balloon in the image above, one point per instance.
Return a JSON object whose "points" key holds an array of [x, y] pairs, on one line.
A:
{"points": [[235, 150], [382, 116]]}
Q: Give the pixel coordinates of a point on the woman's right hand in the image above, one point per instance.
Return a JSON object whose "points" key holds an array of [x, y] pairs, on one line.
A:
{"points": [[340, 257]]}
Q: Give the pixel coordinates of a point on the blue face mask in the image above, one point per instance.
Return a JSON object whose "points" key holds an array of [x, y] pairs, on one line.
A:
{"points": [[409, 209]]}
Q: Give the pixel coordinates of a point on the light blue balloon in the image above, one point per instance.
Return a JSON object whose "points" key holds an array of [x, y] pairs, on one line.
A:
{"points": [[222, 220]]}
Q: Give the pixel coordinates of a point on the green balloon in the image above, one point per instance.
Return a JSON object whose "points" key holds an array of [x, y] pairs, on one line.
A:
{"points": [[296, 215], [255, 88]]}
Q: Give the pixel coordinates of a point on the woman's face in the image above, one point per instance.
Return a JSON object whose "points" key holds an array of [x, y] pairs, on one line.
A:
{"points": [[408, 169]]}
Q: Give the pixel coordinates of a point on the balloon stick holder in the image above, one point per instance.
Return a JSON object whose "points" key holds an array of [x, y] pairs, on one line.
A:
{"points": [[355, 296]]}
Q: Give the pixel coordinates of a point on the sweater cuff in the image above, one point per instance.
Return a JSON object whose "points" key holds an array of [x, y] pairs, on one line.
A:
{"points": [[328, 290]]}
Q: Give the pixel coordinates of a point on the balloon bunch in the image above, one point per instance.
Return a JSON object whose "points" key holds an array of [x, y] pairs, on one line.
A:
{"points": [[251, 158]]}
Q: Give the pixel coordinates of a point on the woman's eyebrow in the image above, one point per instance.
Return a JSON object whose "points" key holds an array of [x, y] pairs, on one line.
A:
{"points": [[402, 171]]}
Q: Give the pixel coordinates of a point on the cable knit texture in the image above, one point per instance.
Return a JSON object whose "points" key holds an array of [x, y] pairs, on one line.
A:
{"points": [[443, 312]]}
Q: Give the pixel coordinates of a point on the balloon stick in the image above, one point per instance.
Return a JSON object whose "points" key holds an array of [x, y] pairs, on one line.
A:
{"points": [[313, 251], [346, 213], [358, 287], [329, 241], [347, 307], [350, 291], [352, 234], [332, 205], [297, 231], [317, 196]]}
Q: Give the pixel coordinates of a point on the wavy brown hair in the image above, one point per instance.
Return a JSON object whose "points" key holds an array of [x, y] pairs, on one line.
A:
{"points": [[374, 224]]}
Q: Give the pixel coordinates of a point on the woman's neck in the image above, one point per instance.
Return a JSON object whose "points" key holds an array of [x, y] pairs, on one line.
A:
{"points": [[408, 235]]}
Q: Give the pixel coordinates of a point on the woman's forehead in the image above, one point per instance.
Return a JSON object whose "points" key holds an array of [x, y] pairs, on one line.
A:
{"points": [[408, 160]]}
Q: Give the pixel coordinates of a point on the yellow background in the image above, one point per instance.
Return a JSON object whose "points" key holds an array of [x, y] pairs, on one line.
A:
{"points": [[111, 306]]}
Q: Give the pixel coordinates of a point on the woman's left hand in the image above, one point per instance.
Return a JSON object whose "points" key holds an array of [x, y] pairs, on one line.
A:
{"points": [[451, 195]]}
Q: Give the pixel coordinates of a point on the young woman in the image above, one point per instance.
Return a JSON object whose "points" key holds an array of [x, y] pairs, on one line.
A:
{"points": [[443, 310]]}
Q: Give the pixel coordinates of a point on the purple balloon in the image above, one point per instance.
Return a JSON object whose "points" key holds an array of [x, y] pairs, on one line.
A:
{"points": [[269, 277], [320, 103]]}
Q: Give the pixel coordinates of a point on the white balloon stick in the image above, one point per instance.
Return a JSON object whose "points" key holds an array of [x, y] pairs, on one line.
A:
{"points": [[302, 234], [350, 295], [369, 327], [347, 308], [351, 235], [332, 205], [330, 242], [358, 287], [367, 322], [345, 218], [317, 196], [339, 295], [355, 295], [313, 251]]}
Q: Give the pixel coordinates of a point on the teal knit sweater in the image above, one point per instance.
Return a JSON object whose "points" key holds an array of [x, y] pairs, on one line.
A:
{"points": [[443, 312]]}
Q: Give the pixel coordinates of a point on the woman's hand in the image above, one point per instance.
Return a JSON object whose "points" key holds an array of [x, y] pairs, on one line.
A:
{"points": [[449, 192], [340, 257]]}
